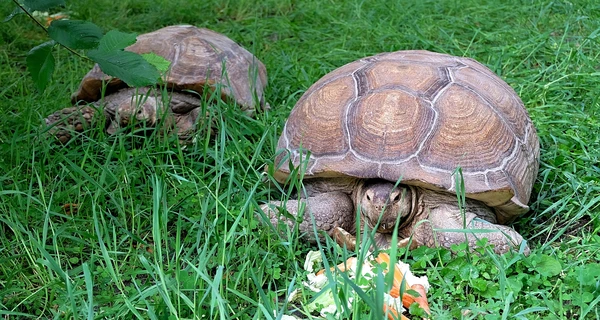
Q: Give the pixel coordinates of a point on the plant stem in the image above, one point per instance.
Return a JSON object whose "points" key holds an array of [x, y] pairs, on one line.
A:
{"points": [[46, 31], [30, 16]]}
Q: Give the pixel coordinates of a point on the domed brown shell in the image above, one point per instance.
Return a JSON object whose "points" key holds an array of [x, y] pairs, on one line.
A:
{"points": [[417, 116], [197, 59]]}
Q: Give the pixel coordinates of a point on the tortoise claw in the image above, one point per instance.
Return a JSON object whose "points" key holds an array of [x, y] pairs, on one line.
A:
{"points": [[344, 238]]}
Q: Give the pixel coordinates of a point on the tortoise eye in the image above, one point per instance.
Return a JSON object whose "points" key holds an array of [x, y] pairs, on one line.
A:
{"points": [[397, 197], [368, 197]]}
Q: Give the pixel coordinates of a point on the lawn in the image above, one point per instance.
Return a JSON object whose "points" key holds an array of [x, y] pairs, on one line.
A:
{"points": [[164, 232]]}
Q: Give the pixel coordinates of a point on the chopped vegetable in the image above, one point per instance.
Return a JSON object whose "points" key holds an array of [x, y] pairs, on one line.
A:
{"points": [[406, 288]]}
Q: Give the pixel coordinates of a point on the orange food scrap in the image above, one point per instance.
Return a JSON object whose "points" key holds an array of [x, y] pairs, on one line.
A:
{"points": [[346, 265], [407, 298], [54, 17], [392, 313]]}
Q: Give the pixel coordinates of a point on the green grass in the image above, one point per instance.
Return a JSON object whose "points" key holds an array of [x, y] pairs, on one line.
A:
{"points": [[163, 232]]}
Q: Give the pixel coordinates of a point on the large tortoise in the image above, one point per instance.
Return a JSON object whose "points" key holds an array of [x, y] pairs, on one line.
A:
{"points": [[413, 117], [201, 59]]}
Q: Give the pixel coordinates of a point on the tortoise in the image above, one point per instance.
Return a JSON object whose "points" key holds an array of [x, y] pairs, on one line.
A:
{"points": [[201, 59], [386, 134]]}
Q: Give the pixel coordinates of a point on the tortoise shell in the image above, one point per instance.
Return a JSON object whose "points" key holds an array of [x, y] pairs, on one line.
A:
{"points": [[417, 116], [200, 59]]}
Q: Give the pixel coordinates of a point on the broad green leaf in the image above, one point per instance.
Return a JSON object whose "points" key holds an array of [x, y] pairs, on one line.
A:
{"points": [[40, 63], [160, 63], [75, 34], [587, 274], [127, 66], [548, 266], [116, 40], [43, 5]]}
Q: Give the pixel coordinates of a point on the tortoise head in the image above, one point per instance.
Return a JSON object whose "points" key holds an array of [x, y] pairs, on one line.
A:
{"points": [[381, 202], [140, 108]]}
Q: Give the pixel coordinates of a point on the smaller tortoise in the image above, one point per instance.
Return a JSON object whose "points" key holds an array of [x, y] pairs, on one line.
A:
{"points": [[412, 117], [201, 59]]}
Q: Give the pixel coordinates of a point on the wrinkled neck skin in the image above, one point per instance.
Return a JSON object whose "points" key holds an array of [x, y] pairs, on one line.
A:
{"points": [[381, 204]]}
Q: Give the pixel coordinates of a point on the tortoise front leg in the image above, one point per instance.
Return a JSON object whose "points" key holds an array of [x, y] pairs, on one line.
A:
{"points": [[329, 210], [446, 217]]}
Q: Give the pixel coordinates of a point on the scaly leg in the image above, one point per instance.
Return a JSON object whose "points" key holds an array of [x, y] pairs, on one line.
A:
{"points": [[447, 216], [329, 210]]}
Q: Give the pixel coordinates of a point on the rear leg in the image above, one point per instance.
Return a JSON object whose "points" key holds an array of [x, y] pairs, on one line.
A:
{"points": [[68, 120]]}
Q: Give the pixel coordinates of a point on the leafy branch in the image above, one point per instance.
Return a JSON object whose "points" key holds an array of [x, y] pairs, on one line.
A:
{"points": [[107, 50]]}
